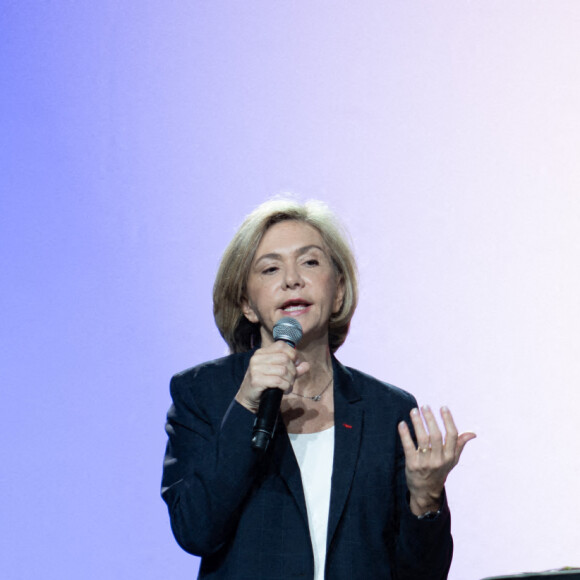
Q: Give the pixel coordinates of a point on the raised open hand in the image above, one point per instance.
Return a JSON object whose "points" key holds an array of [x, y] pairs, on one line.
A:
{"points": [[428, 464]]}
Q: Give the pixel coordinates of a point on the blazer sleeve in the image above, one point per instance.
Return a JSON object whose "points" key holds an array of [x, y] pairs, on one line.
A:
{"points": [[424, 548], [209, 465]]}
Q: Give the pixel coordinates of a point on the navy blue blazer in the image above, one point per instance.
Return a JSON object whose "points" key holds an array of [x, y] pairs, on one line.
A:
{"points": [[245, 514]]}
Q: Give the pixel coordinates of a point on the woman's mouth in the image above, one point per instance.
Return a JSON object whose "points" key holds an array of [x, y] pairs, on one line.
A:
{"points": [[294, 306]]}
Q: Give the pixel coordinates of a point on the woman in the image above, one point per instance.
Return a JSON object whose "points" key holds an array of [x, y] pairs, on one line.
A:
{"points": [[343, 490]]}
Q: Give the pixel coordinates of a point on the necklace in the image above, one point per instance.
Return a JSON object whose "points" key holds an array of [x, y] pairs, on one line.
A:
{"points": [[316, 398]]}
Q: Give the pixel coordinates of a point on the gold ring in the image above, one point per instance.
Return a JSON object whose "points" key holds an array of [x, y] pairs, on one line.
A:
{"points": [[423, 449]]}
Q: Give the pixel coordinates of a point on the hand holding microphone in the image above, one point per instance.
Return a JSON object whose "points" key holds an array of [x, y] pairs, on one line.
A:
{"points": [[272, 372]]}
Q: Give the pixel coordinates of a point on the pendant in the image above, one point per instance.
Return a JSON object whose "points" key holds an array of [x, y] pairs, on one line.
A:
{"points": [[317, 398]]}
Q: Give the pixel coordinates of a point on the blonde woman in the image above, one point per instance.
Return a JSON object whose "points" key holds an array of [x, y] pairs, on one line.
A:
{"points": [[352, 485]]}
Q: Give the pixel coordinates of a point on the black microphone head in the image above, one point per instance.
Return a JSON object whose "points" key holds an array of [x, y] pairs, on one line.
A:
{"points": [[289, 330]]}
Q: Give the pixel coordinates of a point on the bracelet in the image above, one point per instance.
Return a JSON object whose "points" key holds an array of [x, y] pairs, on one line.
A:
{"points": [[429, 515]]}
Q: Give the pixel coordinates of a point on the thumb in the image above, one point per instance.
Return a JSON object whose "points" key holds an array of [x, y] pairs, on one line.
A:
{"points": [[302, 368], [462, 440]]}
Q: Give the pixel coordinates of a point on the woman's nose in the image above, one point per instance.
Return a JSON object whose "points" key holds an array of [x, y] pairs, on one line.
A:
{"points": [[293, 278]]}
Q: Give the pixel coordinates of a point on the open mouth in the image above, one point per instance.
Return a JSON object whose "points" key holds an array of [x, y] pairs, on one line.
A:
{"points": [[294, 306]]}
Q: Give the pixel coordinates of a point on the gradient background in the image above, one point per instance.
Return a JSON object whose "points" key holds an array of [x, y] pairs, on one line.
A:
{"points": [[134, 138]]}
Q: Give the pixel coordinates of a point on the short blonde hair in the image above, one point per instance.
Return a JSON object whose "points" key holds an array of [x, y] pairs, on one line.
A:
{"points": [[230, 284]]}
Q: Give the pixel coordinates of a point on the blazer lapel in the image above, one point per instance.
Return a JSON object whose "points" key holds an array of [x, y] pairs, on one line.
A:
{"points": [[287, 466], [348, 422]]}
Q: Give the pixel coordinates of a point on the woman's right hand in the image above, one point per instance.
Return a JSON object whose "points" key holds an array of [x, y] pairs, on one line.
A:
{"points": [[274, 366]]}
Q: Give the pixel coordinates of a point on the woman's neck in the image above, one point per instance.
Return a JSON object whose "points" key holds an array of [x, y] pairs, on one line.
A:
{"points": [[319, 358]]}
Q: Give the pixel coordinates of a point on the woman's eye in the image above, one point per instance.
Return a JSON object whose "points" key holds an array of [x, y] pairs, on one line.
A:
{"points": [[312, 262], [269, 270]]}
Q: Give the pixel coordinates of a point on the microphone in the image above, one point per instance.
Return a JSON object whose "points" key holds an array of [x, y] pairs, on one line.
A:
{"points": [[289, 330]]}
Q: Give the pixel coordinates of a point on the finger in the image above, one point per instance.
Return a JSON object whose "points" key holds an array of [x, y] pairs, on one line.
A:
{"points": [[450, 431], [420, 432], [279, 375], [462, 441], [277, 357], [280, 347], [406, 440], [287, 349], [434, 432], [283, 377], [263, 360], [273, 368]]}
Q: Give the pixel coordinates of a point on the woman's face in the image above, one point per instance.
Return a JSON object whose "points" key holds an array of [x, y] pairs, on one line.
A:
{"points": [[292, 275]]}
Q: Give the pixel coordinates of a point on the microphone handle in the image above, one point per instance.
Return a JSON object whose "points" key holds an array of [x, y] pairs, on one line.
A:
{"points": [[267, 417]]}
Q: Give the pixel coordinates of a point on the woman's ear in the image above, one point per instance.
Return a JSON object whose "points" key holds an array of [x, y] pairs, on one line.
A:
{"points": [[339, 296], [248, 311]]}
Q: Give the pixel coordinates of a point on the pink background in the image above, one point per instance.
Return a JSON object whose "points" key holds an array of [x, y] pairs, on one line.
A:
{"points": [[134, 138]]}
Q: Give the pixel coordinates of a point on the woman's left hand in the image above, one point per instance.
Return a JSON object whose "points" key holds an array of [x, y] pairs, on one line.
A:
{"points": [[428, 464]]}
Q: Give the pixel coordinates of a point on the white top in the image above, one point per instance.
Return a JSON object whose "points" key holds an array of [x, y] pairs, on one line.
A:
{"points": [[314, 453]]}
